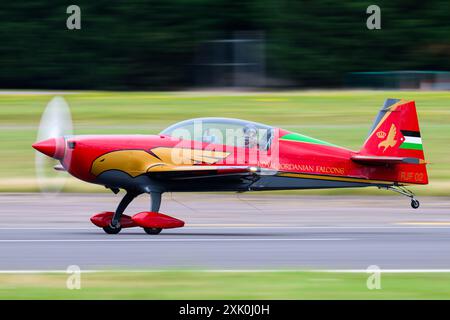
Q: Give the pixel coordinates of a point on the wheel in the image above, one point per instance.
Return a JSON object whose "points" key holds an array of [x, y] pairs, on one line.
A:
{"points": [[415, 203], [152, 230], [111, 230]]}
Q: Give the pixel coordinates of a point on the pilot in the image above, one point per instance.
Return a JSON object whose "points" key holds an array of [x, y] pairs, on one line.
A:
{"points": [[250, 136], [208, 137]]}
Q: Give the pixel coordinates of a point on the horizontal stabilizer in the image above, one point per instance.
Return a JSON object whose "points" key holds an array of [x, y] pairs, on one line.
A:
{"points": [[383, 160]]}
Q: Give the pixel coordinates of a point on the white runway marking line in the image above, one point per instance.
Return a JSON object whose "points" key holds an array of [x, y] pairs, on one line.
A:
{"points": [[400, 271], [230, 226], [174, 240]]}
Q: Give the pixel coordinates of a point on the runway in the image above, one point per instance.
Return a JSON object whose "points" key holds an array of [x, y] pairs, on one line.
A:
{"points": [[250, 231]]}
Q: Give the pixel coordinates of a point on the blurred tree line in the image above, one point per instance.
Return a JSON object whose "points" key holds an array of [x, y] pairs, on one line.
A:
{"points": [[132, 44]]}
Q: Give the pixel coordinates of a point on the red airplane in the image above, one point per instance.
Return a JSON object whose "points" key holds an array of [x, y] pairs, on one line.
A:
{"points": [[220, 154]]}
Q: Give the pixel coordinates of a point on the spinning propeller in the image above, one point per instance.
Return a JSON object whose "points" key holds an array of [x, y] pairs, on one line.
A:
{"points": [[55, 126]]}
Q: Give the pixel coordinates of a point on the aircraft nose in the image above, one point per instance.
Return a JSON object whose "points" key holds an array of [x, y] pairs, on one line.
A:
{"points": [[53, 147]]}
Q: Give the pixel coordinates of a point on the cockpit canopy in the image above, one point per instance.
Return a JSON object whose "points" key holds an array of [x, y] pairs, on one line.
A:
{"points": [[225, 131]]}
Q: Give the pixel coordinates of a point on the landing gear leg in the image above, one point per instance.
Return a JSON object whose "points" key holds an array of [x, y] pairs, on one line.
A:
{"points": [[155, 198], [115, 227], [155, 205], [404, 191]]}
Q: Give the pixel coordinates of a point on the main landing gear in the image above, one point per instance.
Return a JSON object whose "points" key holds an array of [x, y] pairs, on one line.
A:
{"points": [[112, 230], [153, 230], [406, 192], [155, 198], [114, 227], [153, 222]]}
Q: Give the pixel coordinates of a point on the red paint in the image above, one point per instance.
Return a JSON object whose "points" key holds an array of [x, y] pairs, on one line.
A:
{"points": [[148, 219]]}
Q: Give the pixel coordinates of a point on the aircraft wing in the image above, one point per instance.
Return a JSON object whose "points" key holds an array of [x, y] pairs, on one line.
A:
{"points": [[203, 171]]}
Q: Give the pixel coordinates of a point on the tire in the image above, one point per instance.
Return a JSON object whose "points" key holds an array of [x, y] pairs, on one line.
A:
{"points": [[152, 230], [111, 230], [415, 203]]}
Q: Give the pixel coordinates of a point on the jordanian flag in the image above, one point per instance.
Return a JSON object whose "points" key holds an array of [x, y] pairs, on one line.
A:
{"points": [[412, 140]]}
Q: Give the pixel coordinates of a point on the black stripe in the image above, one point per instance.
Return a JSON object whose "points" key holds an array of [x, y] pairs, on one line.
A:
{"points": [[411, 133], [153, 154]]}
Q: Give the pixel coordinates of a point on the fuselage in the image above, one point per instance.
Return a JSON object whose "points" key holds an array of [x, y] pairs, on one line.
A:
{"points": [[123, 161]]}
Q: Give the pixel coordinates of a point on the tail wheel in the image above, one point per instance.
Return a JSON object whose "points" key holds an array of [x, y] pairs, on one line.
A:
{"points": [[111, 230], [404, 191], [153, 230]]}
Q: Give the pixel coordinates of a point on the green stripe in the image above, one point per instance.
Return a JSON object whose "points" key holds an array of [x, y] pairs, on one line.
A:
{"points": [[302, 138], [414, 146]]}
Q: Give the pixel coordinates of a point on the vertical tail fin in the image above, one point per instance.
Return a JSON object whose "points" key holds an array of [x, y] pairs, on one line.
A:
{"points": [[395, 132], [395, 137]]}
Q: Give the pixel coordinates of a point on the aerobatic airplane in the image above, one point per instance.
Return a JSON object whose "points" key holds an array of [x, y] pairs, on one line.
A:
{"points": [[220, 154]]}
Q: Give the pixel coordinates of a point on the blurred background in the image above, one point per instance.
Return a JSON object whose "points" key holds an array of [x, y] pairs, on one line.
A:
{"points": [[167, 44], [138, 66]]}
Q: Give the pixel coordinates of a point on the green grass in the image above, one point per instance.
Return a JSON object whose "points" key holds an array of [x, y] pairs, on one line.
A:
{"points": [[226, 285], [339, 117]]}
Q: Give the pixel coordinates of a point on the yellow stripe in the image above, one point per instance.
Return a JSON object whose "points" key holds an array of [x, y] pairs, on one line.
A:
{"points": [[331, 178]]}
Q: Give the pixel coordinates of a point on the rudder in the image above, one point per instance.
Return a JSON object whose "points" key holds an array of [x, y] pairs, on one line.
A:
{"points": [[395, 132]]}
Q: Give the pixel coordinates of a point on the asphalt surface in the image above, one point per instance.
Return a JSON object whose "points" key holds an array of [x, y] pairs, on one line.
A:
{"points": [[250, 231]]}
